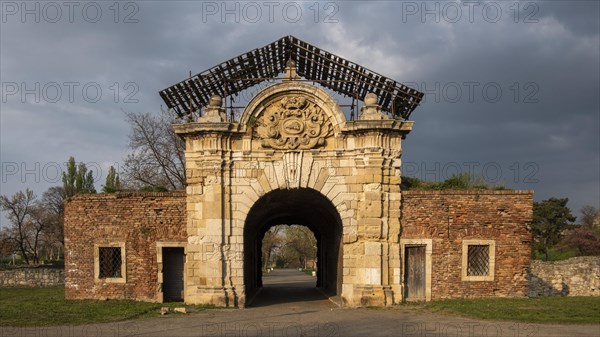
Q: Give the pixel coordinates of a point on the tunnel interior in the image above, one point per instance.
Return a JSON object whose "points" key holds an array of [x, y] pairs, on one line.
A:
{"points": [[304, 207]]}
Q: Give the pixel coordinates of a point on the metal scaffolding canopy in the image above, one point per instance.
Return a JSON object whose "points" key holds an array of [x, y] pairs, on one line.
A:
{"points": [[312, 63]]}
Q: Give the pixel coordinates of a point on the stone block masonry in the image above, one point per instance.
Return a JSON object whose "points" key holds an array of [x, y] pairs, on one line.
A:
{"points": [[32, 277], [139, 222], [578, 276]]}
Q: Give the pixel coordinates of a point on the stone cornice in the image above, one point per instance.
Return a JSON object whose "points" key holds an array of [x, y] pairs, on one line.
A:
{"points": [[188, 129], [385, 125]]}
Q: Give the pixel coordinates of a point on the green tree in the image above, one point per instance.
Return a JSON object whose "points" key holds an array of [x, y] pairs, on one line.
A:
{"points": [[69, 177], [113, 183], [77, 179], [300, 246], [551, 217]]}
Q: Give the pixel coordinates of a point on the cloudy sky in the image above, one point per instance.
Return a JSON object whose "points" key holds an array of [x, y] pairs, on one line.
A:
{"points": [[511, 87]]}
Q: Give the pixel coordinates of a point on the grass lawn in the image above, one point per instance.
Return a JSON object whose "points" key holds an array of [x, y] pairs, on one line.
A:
{"points": [[570, 310], [47, 306]]}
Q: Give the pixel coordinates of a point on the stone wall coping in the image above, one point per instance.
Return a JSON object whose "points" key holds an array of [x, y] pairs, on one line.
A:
{"points": [[467, 192], [134, 194], [569, 261], [29, 267]]}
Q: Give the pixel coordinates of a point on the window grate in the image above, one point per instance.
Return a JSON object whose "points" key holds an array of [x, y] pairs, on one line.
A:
{"points": [[110, 262], [478, 260]]}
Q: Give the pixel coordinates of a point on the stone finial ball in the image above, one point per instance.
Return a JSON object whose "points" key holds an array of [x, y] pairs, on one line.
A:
{"points": [[215, 101], [371, 99]]}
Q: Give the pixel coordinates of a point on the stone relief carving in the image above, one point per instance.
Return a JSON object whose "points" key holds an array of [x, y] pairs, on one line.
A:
{"points": [[293, 123]]}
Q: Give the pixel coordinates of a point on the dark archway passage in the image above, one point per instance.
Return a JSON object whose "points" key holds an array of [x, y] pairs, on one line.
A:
{"points": [[305, 207]]}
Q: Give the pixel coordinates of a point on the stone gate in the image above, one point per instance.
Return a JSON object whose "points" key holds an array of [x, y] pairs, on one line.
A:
{"points": [[293, 157]]}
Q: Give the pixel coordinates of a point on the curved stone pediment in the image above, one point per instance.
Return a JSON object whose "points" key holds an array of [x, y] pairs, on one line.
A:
{"points": [[302, 103], [293, 122]]}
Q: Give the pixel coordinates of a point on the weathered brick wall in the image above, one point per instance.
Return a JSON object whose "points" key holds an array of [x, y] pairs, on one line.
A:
{"points": [[32, 277], [139, 220], [578, 276], [448, 217]]}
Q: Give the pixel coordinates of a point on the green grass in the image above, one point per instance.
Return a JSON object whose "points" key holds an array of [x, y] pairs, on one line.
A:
{"points": [[569, 310], [47, 306], [462, 181], [556, 255]]}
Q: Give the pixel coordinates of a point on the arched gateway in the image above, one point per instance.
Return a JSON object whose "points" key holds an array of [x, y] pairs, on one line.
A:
{"points": [[300, 206], [293, 157]]}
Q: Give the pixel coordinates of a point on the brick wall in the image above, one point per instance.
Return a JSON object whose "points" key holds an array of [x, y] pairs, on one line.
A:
{"points": [[448, 217], [32, 277], [140, 220], [137, 219]]}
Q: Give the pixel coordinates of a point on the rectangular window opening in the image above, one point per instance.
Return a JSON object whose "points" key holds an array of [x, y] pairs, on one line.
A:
{"points": [[478, 260], [110, 261]]}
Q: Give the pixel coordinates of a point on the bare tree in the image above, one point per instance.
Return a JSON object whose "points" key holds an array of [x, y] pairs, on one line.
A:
{"points": [[36, 226], [35, 229], [271, 242], [590, 216], [8, 246], [53, 204], [158, 153], [300, 245], [19, 211]]}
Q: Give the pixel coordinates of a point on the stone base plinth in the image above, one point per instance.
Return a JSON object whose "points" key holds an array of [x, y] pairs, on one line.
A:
{"points": [[368, 295], [218, 296]]}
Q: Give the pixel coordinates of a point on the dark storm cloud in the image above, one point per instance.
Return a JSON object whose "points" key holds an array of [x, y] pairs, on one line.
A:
{"points": [[547, 69], [580, 17]]}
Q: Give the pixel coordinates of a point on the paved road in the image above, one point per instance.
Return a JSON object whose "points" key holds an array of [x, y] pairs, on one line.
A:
{"points": [[306, 312], [289, 289]]}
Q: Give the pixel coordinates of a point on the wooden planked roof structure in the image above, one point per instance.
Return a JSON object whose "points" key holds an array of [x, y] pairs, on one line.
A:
{"points": [[312, 63]]}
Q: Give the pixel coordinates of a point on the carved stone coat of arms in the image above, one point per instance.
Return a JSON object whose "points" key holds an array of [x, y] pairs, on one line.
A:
{"points": [[293, 123]]}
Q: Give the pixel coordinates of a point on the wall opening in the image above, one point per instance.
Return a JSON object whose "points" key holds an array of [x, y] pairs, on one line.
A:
{"points": [[170, 257], [289, 247], [303, 207], [110, 262], [173, 263], [414, 272], [416, 263]]}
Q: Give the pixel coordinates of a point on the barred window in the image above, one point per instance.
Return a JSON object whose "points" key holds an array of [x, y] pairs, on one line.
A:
{"points": [[110, 260], [478, 260]]}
